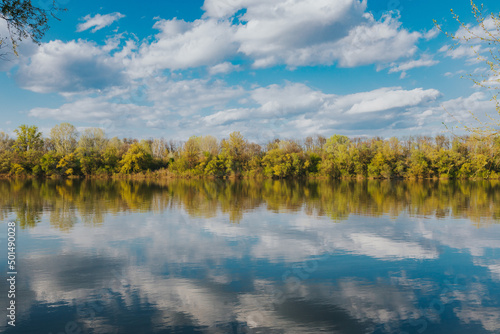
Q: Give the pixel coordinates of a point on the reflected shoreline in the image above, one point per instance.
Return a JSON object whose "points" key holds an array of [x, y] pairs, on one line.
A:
{"points": [[336, 199]]}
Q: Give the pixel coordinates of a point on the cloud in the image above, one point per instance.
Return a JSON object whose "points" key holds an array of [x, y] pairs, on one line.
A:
{"points": [[114, 118], [155, 103], [452, 74], [181, 45], [87, 109], [8, 59], [462, 51], [477, 33], [375, 42], [285, 31], [473, 41], [223, 68], [202, 106], [422, 62], [460, 109], [296, 108], [279, 102], [293, 33], [290, 98], [431, 33], [187, 97], [387, 99], [385, 248], [73, 66], [98, 21], [268, 33]]}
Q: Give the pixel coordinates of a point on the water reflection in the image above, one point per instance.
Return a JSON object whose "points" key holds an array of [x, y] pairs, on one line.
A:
{"points": [[255, 257], [473, 200]]}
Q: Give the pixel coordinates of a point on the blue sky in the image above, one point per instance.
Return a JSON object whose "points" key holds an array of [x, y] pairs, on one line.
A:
{"points": [[266, 68]]}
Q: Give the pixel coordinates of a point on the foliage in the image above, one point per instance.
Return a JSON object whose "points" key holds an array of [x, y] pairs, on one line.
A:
{"points": [[25, 21], [48, 163], [110, 159], [200, 156], [136, 159], [68, 165], [285, 159], [236, 151], [28, 138]]}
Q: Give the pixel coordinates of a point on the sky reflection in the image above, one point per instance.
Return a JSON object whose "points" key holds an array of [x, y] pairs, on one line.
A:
{"points": [[149, 259]]}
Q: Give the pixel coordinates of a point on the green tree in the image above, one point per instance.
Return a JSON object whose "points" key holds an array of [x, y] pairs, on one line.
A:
{"points": [[218, 166], [284, 159], [340, 157], [69, 164], [110, 159], [136, 159], [28, 138], [235, 148], [48, 163], [190, 154]]}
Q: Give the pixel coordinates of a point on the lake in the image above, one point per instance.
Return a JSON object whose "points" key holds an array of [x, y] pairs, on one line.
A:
{"points": [[194, 256]]}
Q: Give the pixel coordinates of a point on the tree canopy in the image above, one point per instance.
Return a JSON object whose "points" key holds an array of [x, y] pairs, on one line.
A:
{"points": [[30, 154]]}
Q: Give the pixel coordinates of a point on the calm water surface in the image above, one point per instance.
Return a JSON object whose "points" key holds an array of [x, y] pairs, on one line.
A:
{"points": [[253, 257]]}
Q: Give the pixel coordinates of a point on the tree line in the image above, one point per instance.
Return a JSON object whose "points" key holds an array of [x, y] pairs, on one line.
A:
{"points": [[69, 153]]}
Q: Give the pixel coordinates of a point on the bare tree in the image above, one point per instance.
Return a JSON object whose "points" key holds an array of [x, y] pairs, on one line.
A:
{"points": [[64, 138]]}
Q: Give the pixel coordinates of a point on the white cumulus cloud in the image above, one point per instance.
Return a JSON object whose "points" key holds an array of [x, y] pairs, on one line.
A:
{"points": [[74, 66], [98, 21], [223, 68], [292, 32], [181, 44], [408, 65]]}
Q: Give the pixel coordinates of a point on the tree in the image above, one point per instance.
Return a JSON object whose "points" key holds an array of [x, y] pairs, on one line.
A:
{"points": [[28, 138], [5, 142], [92, 140], [48, 163], [486, 32], [285, 158], [64, 138], [191, 152], [136, 159], [159, 148], [210, 145], [25, 21], [236, 150], [69, 164], [339, 149]]}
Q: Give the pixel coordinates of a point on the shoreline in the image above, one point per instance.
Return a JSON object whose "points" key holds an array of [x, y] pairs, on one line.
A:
{"points": [[160, 175]]}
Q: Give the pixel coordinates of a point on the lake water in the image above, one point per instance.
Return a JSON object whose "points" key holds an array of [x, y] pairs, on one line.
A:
{"points": [[253, 257]]}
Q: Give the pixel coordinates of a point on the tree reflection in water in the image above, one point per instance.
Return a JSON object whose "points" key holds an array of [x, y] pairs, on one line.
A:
{"points": [[66, 200]]}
